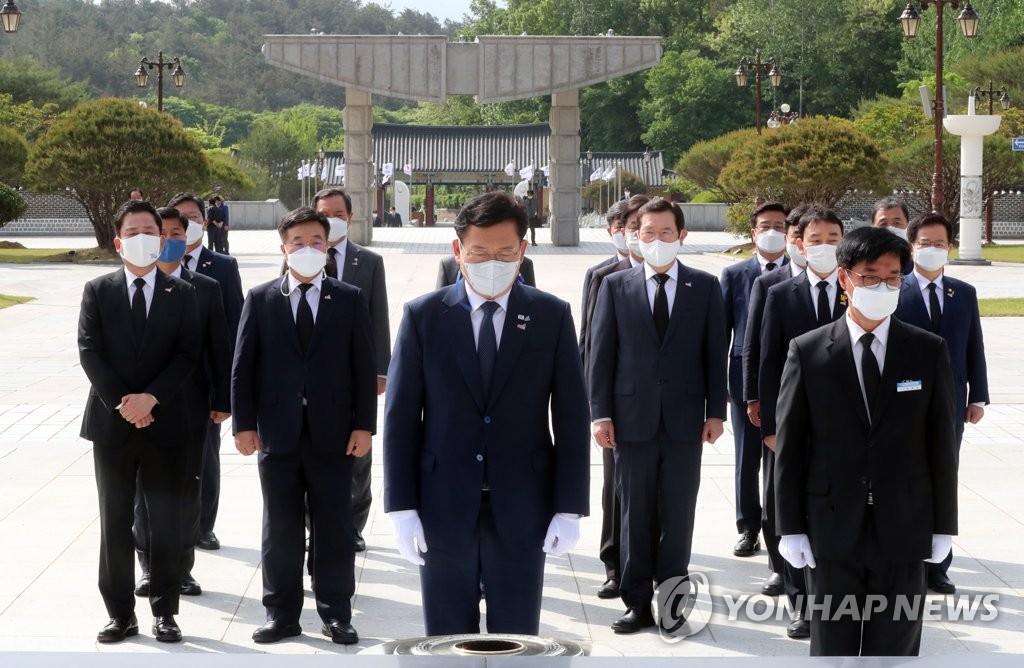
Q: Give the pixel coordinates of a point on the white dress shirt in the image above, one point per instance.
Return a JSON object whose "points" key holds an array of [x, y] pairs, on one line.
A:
{"points": [[312, 296], [763, 261], [476, 314], [147, 289], [795, 269], [670, 285], [881, 333], [922, 283], [832, 279], [193, 263]]}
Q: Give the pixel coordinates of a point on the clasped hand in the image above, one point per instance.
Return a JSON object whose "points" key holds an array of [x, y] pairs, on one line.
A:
{"points": [[137, 409]]}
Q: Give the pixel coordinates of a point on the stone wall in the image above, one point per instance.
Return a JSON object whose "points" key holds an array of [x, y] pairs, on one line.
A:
{"points": [[50, 214]]}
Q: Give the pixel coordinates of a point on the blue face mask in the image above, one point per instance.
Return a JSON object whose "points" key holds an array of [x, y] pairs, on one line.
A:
{"points": [[174, 250]]}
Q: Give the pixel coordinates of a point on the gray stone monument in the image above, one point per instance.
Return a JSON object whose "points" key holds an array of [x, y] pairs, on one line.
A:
{"points": [[492, 68]]}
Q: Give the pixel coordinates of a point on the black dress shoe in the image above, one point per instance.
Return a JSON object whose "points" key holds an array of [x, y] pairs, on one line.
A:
{"points": [[610, 589], [165, 629], [748, 544], [773, 585], [339, 632], [799, 628], [274, 630], [189, 586], [634, 620], [360, 544], [142, 586], [118, 629], [208, 541], [941, 584]]}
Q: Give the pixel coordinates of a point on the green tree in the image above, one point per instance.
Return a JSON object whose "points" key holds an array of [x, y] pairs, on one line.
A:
{"points": [[228, 178], [12, 205], [13, 154], [102, 149], [28, 81], [603, 192], [274, 149], [702, 164], [26, 118]]}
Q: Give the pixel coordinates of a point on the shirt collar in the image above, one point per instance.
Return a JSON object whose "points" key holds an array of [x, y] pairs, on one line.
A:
{"points": [[293, 283], [149, 277], [673, 271], [795, 269], [177, 271], [342, 246], [763, 261], [476, 301], [633, 261], [881, 332], [813, 278], [922, 281]]}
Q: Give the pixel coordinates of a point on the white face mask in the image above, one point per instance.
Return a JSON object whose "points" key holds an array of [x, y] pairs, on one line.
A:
{"points": [[633, 243], [795, 256], [931, 259], [142, 250], [491, 278], [193, 233], [876, 303], [659, 253], [901, 232], [307, 262], [821, 258], [771, 241], [619, 241], [339, 229]]}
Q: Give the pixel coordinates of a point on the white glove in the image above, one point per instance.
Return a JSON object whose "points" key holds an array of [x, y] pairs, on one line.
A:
{"points": [[563, 534], [941, 545], [796, 549], [409, 534]]}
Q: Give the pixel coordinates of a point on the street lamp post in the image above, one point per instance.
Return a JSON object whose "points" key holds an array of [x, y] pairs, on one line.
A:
{"points": [[910, 22], [1004, 98], [178, 75], [11, 16], [647, 170], [774, 76], [782, 117]]}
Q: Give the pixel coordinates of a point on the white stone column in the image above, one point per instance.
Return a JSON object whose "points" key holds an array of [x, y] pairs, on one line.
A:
{"points": [[358, 122], [972, 130], [564, 163]]}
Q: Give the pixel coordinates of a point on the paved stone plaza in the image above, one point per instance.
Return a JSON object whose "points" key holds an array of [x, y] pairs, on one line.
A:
{"points": [[49, 527]]}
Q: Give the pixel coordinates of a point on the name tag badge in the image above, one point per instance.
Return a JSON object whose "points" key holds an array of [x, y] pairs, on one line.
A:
{"points": [[908, 385]]}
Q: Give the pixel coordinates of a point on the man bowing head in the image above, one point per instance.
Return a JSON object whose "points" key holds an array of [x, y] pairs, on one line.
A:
{"points": [[485, 438]]}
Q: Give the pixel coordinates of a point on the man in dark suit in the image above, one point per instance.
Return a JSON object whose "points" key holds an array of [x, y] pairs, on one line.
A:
{"points": [[657, 391], [364, 269], [482, 372], [865, 472], [303, 395], [394, 219], [617, 232], [795, 306], [448, 272], [214, 225], [949, 309], [532, 216], [209, 398], [224, 270], [138, 342], [767, 229]]}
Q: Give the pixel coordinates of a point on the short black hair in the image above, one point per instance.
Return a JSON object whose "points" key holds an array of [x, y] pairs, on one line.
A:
{"points": [[867, 244], [794, 215], [659, 204], [923, 219], [889, 203], [333, 192], [189, 197], [137, 190], [489, 209], [212, 201], [170, 213], [134, 206], [614, 212], [815, 213], [303, 214], [633, 204], [767, 206]]}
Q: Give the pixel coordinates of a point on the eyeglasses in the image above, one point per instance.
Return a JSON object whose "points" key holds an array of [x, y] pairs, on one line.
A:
{"points": [[893, 283], [767, 227], [942, 245], [298, 245], [474, 256]]}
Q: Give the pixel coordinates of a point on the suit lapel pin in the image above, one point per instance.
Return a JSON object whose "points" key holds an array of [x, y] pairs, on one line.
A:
{"points": [[521, 326], [950, 292], [327, 297], [842, 298], [524, 318], [688, 284], [207, 263], [168, 289], [355, 261]]}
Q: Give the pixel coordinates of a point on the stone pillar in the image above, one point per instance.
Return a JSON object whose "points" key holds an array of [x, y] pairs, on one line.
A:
{"points": [[358, 121], [564, 168], [972, 129], [428, 204]]}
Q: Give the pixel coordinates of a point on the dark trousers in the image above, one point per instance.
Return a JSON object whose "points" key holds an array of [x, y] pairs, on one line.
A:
{"points": [[513, 579], [222, 240], [866, 572], [212, 235], [324, 478], [210, 494], [189, 500], [611, 517], [533, 232], [942, 567], [118, 468], [657, 482], [748, 443], [361, 492], [793, 579]]}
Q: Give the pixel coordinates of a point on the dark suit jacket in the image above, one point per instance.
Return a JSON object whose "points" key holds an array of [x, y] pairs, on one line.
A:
{"points": [[637, 381], [271, 375], [211, 381], [752, 333], [440, 435], [448, 272], [788, 313], [365, 270], [737, 281], [224, 270], [828, 454], [596, 279], [588, 277], [117, 364], [961, 328]]}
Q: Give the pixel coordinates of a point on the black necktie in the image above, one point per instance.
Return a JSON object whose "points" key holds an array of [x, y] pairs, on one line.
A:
{"points": [[824, 312], [661, 306], [869, 369], [188, 262], [139, 308], [769, 266], [487, 345], [304, 317], [934, 310], [332, 262]]}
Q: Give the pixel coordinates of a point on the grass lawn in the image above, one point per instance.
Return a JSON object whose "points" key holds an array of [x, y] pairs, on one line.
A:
{"points": [[10, 300], [30, 255], [998, 253], [1001, 307]]}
